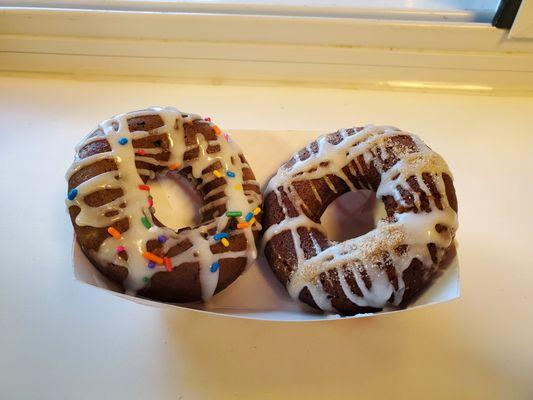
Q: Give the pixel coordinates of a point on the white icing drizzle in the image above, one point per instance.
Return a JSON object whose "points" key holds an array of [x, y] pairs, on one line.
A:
{"points": [[365, 254], [133, 203]]}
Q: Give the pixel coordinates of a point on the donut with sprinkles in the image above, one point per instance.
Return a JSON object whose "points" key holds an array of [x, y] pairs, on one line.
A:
{"points": [[112, 209]]}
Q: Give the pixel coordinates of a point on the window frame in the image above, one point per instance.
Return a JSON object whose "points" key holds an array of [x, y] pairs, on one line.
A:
{"points": [[346, 52]]}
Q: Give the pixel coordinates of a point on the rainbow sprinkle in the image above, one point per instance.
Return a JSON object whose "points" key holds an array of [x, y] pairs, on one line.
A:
{"points": [[152, 257], [217, 130], [168, 264], [214, 267], [230, 174], [123, 141], [249, 216], [120, 249], [224, 242], [72, 194], [162, 238], [144, 187], [113, 232], [234, 213], [242, 225], [221, 235], [217, 173], [256, 211], [151, 264], [146, 223], [252, 221]]}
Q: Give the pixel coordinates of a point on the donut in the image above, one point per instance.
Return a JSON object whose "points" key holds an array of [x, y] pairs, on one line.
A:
{"points": [[384, 268], [114, 220]]}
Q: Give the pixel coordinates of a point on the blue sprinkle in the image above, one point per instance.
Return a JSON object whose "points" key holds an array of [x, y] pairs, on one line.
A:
{"points": [[214, 267], [123, 141], [221, 235], [162, 238], [72, 194], [151, 265], [249, 216], [230, 174]]}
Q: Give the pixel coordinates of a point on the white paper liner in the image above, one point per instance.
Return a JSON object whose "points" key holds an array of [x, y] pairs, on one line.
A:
{"points": [[257, 294]]}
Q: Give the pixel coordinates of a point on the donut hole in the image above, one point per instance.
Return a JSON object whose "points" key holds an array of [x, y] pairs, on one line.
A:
{"points": [[176, 202], [351, 215]]}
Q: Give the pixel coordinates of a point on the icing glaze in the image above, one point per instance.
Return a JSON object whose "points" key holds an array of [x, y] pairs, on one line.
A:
{"points": [[135, 204], [363, 257]]}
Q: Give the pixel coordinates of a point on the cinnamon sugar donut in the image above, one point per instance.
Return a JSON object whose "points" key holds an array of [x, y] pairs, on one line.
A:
{"points": [[112, 212], [387, 266]]}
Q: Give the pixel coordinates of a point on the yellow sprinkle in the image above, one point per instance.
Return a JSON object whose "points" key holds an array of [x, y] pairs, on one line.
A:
{"points": [[217, 130], [252, 221], [113, 232], [225, 242], [172, 167], [238, 187], [217, 173], [256, 211]]}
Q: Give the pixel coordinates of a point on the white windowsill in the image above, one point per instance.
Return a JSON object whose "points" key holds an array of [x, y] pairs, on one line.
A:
{"points": [[265, 49]]}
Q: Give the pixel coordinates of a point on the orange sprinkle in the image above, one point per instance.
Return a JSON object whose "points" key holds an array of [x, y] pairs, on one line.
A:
{"points": [[241, 225], [172, 167], [217, 130], [168, 264], [152, 257], [113, 232]]}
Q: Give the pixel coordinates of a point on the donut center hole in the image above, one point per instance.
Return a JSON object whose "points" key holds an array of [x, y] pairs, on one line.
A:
{"points": [[176, 202], [351, 215]]}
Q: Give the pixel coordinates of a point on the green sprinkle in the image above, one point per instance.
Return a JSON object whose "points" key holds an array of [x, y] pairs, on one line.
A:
{"points": [[145, 279], [234, 213], [146, 223]]}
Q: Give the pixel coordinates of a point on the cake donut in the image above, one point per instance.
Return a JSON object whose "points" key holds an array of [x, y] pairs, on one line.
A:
{"points": [[112, 212], [387, 266]]}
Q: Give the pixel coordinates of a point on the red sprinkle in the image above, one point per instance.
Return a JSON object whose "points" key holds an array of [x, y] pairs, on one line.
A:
{"points": [[141, 152], [144, 187], [150, 202], [120, 249], [168, 264], [207, 119]]}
